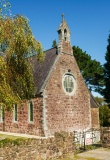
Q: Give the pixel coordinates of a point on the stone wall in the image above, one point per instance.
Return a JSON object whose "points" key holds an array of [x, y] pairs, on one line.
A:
{"points": [[105, 137], [23, 125], [60, 145], [66, 112], [95, 117]]}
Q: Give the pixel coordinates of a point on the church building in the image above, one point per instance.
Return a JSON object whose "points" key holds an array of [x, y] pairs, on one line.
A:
{"points": [[63, 101]]}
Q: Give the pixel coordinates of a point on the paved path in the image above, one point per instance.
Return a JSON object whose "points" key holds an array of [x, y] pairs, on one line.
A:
{"points": [[23, 135], [97, 154]]}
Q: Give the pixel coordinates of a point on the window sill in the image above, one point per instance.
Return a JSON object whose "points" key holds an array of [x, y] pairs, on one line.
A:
{"points": [[30, 122], [15, 121]]}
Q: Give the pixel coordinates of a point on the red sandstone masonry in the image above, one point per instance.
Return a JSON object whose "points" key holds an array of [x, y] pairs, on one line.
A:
{"points": [[22, 125], [95, 117], [64, 112]]}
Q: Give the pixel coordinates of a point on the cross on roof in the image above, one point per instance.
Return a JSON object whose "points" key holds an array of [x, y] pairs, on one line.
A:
{"points": [[62, 17]]}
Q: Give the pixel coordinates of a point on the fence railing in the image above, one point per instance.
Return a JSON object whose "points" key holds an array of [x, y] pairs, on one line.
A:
{"points": [[81, 139]]}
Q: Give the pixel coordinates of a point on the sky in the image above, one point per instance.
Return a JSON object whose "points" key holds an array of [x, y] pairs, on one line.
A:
{"points": [[88, 20]]}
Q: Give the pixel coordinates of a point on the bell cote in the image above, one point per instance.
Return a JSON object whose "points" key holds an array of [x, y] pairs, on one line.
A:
{"points": [[64, 45], [63, 31]]}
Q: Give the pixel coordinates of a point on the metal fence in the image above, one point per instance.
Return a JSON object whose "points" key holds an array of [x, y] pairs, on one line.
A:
{"points": [[82, 139]]}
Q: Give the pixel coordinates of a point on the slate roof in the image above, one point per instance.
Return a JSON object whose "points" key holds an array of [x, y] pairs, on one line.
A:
{"points": [[41, 71], [93, 102]]}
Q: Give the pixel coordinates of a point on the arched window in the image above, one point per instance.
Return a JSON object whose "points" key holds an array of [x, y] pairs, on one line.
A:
{"points": [[1, 114], [30, 112], [60, 34], [65, 34], [15, 113], [68, 83]]}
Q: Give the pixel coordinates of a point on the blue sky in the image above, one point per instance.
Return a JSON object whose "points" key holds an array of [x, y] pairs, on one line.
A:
{"points": [[88, 20]]}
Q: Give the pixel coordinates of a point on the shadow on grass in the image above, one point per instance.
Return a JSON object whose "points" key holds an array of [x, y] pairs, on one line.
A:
{"points": [[88, 147]]}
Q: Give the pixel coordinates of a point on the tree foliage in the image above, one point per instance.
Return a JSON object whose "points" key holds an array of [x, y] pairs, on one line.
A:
{"points": [[5, 8], [106, 90], [7, 96], [104, 112], [91, 70], [54, 44], [16, 44]]}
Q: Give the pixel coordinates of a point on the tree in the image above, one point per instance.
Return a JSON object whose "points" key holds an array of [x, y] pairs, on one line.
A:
{"points": [[7, 96], [106, 90], [91, 70], [104, 112], [5, 8], [54, 44], [16, 44]]}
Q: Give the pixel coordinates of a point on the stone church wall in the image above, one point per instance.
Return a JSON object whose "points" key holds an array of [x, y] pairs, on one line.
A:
{"points": [[23, 125], [95, 117], [66, 112]]}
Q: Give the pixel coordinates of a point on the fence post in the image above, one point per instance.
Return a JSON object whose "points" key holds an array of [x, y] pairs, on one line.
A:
{"points": [[84, 135]]}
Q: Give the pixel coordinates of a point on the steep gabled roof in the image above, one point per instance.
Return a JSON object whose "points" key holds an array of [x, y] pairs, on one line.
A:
{"points": [[41, 71], [93, 102]]}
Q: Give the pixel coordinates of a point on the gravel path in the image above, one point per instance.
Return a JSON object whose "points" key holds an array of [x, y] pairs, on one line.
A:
{"points": [[97, 154]]}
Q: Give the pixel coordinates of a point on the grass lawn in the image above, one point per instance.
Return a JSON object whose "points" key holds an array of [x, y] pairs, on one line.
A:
{"points": [[6, 140]]}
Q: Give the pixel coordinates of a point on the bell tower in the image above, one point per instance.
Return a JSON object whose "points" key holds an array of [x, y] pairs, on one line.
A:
{"points": [[64, 37]]}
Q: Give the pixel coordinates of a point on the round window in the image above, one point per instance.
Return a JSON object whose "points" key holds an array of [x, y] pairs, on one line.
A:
{"points": [[68, 83]]}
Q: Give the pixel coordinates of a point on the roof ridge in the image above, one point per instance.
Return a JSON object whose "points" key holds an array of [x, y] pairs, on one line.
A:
{"points": [[51, 48]]}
